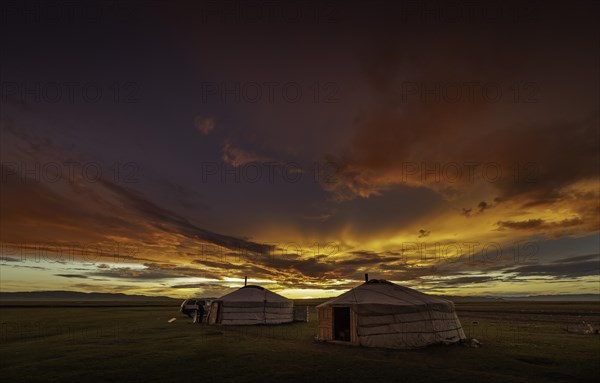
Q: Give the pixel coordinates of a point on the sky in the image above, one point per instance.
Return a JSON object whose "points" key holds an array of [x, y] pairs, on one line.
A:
{"points": [[174, 148]]}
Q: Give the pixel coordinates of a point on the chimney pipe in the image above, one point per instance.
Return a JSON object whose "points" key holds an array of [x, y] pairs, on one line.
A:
{"points": [[366, 277], [245, 280]]}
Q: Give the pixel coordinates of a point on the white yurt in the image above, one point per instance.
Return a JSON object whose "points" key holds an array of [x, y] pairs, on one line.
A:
{"points": [[251, 305], [379, 313]]}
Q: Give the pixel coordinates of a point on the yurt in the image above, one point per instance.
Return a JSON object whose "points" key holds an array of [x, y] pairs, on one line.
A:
{"points": [[379, 313], [251, 305]]}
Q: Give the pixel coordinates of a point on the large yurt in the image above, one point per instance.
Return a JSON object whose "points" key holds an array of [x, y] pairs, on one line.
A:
{"points": [[379, 313], [251, 305]]}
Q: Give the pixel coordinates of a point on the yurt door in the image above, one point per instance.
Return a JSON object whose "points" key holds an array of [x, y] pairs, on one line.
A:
{"points": [[325, 323], [341, 323]]}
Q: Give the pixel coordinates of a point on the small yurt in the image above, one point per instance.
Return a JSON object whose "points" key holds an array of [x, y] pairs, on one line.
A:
{"points": [[379, 313], [251, 305]]}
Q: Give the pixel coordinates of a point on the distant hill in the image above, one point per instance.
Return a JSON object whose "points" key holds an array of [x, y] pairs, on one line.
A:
{"points": [[78, 296], [559, 297], [555, 298], [472, 298]]}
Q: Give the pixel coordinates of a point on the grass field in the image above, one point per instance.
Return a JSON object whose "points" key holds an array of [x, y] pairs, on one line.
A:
{"points": [[522, 342]]}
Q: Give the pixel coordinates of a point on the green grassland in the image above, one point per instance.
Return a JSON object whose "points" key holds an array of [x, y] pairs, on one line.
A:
{"points": [[522, 342]]}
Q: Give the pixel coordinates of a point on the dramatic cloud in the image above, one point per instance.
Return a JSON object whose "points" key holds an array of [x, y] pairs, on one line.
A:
{"points": [[463, 158], [163, 219], [82, 217], [535, 152]]}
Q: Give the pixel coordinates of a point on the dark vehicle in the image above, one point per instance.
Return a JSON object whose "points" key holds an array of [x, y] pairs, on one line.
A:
{"points": [[190, 306]]}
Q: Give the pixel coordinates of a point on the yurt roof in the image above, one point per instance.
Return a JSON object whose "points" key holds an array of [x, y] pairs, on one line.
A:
{"points": [[253, 293], [384, 293]]}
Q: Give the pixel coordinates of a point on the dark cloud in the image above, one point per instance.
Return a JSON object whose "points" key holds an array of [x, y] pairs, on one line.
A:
{"points": [[165, 219], [521, 225], [579, 258], [407, 270], [483, 206], [134, 274], [568, 222], [72, 276], [572, 267], [571, 270], [370, 258], [26, 267], [539, 223], [465, 280], [10, 259], [197, 285], [149, 272], [441, 282]]}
